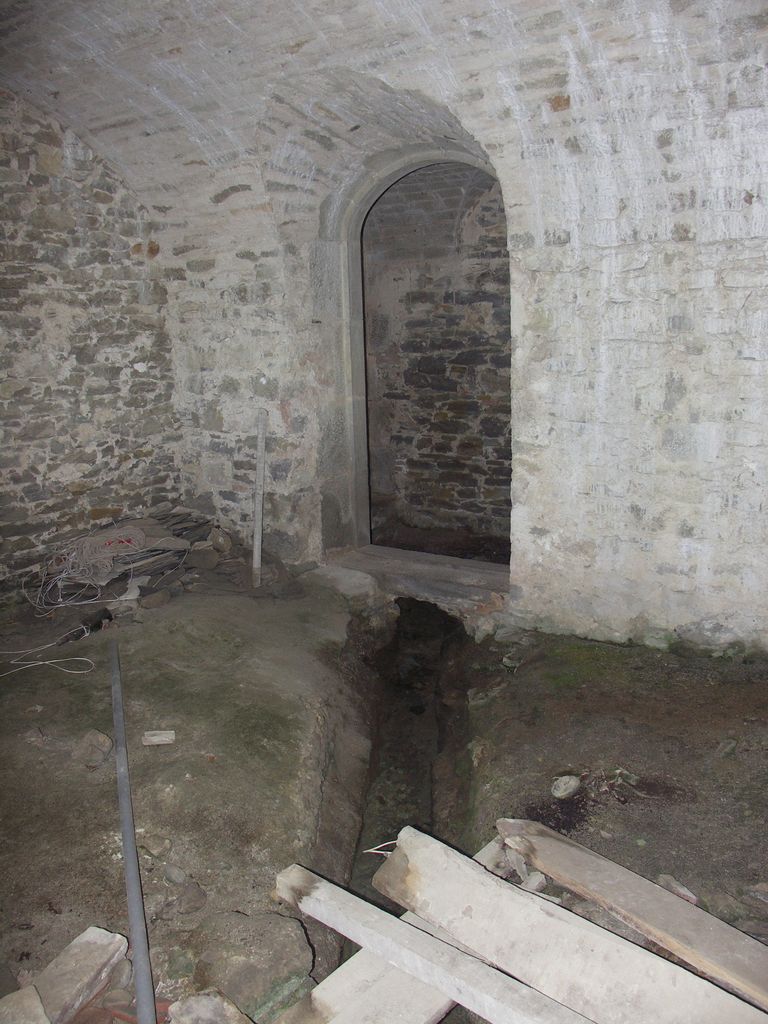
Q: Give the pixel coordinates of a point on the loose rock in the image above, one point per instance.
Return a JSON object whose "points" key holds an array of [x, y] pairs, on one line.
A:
{"points": [[79, 972], [158, 737], [726, 907], [156, 846], [672, 884], [203, 555], [206, 1008], [566, 786], [156, 599], [115, 998], [535, 882], [93, 749], [220, 540], [122, 974], [191, 899], [22, 1007], [175, 875]]}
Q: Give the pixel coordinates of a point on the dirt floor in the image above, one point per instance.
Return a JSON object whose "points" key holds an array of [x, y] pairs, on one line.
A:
{"points": [[274, 707], [672, 750], [271, 739]]}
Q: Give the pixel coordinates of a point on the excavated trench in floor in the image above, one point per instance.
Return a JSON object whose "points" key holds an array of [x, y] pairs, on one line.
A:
{"points": [[669, 748], [411, 730], [417, 776]]}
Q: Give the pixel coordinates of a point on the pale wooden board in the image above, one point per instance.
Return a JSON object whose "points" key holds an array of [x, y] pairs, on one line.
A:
{"points": [[374, 991], [602, 976], [368, 990], [496, 997], [724, 954]]}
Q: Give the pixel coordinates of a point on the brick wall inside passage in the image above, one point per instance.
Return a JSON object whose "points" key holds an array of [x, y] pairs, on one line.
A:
{"points": [[436, 276]]}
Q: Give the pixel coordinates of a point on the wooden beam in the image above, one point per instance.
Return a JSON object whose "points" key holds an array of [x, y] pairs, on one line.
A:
{"points": [[724, 954], [496, 997], [367, 990], [600, 975], [380, 992]]}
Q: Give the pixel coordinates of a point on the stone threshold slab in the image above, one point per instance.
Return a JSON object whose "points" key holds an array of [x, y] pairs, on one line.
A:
{"points": [[418, 569]]}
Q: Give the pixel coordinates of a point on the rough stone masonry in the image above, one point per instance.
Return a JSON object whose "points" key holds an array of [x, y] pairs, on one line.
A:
{"points": [[436, 286], [629, 142]]}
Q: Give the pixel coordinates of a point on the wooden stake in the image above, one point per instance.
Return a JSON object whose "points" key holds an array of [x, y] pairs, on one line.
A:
{"points": [[258, 497]]}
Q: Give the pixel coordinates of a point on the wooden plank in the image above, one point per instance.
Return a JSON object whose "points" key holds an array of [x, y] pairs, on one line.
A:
{"points": [[496, 997], [602, 976], [722, 953], [368, 990], [379, 992]]}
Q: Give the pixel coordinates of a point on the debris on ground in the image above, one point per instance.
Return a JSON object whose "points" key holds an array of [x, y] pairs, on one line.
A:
{"points": [[566, 786], [191, 899], [108, 563], [155, 846], [175, 875], [70, 981], [23, 1007], [158, 737], [203, 555], [206, 1008], [93, 749], [727, 748], [670, 883]]}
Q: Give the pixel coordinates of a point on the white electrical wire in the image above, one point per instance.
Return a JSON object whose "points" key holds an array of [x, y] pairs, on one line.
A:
{"points": [[380, 848], [58, 663], [88, 564]]}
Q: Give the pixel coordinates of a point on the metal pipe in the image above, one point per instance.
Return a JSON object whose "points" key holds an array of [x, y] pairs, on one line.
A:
{"points": [[142, 969]]}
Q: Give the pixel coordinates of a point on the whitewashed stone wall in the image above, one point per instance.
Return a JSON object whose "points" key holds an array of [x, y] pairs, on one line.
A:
{"points": [[630, 143]]}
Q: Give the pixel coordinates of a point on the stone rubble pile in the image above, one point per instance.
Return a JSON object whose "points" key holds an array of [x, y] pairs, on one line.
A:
{"points": [[89, 982]]}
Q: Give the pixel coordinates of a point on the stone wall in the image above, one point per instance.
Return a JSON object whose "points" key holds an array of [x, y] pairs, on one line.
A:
{"points": [[437, 318], [629, 141], [88, 426]]}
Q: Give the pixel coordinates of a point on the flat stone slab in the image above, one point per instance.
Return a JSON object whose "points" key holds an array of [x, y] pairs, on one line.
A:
{"points": [[23, 1007], [79, 972], [206, 1008]]}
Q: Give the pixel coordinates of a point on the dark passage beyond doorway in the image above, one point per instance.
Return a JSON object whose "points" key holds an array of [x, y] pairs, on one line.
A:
{"points": [[437, 323]]}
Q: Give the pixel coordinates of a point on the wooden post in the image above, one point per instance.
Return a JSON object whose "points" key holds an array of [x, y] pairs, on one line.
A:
{"points": [[258, 498]]}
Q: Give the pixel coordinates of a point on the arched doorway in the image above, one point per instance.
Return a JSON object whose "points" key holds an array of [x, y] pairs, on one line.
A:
{"points": [[437, 363]]}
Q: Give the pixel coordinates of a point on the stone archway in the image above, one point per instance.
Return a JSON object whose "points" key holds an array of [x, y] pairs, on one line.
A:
{"points": [[340, 140]]}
